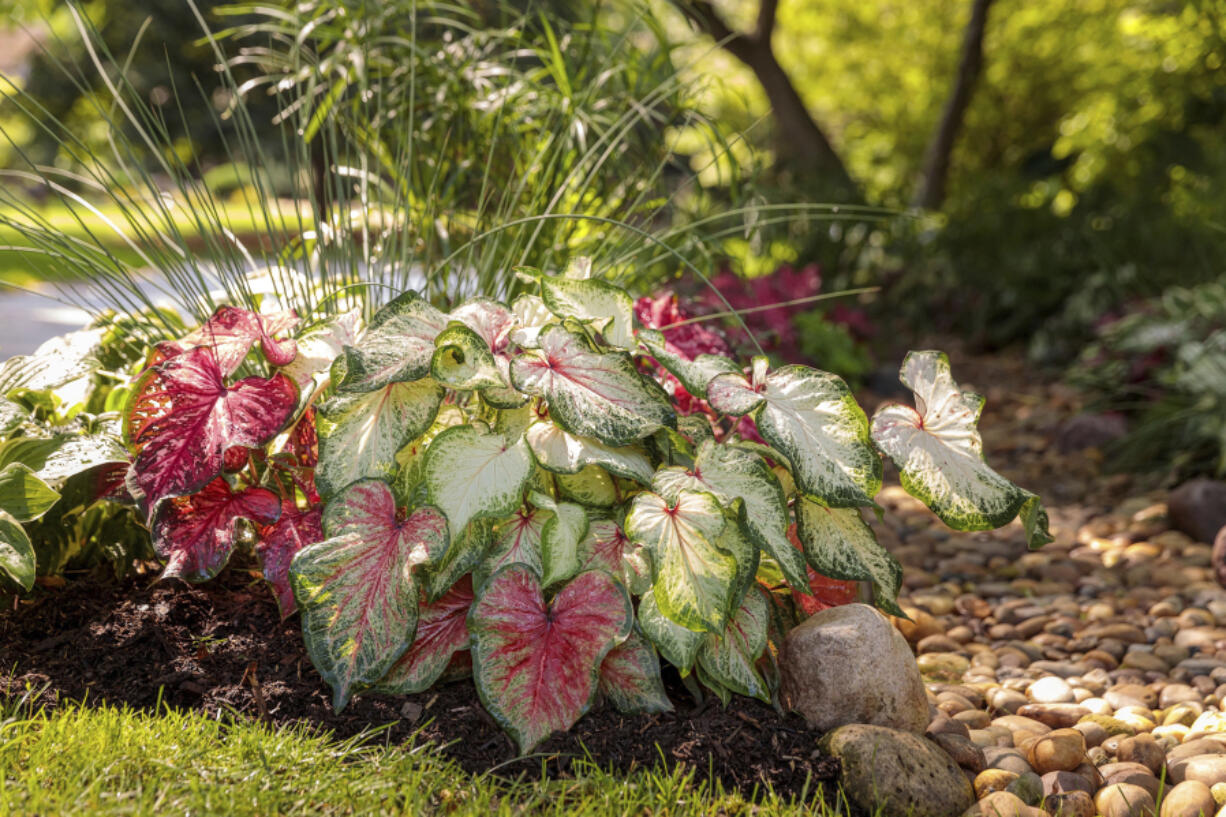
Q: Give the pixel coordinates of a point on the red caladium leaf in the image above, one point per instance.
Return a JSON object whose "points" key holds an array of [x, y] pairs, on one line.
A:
{"points": [[231, 332], [184, 417], [442, 631], [195, 534], [630, 677], [279, 544], [536, 665], [358, 590], [827, 592], [234, 460], [303, 440]]}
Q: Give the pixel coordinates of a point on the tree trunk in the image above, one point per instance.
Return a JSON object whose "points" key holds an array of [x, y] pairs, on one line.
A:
{"points": [[935, 173]]}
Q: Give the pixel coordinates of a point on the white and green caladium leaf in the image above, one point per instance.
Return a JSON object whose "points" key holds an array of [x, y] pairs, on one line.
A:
{"points": [[17, 559], [840, 545], [491, 321], [730, 657], [736, 540], [607, 548], [938, 449], [592, 487], [679, 645], [561, 452], [731, 473], [531, 316], [592, 394], [814, 421], [411, 459], [693, 576], [560, 538], [360, 434], [397, 347], [357, 589], [464, 554], [23, 495], [591, 299], [472, 473], [630, 677], [462, 360], [694, 374], [321, 345]]}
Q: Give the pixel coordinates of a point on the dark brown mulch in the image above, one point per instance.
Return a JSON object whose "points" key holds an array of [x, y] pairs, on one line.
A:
{"points": [[222, 647]]}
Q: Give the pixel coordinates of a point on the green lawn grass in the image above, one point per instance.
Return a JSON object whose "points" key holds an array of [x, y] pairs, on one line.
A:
{"points": [[85, 760]]}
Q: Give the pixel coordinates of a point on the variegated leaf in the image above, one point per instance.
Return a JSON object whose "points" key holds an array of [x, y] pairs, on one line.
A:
{"points": [[560, 539], [17, 559], [23, 495], [730, 657], [537, 666], [464, 554], [630, 678], [938, 449], [607, 548], [592, 487], [841, 545], [592, 300], [517, 542], [397, 347], [694, 374], [561, 452], [442, 631], [491, 321], [813, 419], [195, 534], [462, 360], [592, 394], [693, 576], [531, 316], [231, 332], [280, 542], [411, 459], [361, 433], [679, 645], [476, 474], [357, 589], [320, 346]]}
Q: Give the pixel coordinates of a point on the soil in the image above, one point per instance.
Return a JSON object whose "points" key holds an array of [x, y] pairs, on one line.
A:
{"points": [[222, 647]]}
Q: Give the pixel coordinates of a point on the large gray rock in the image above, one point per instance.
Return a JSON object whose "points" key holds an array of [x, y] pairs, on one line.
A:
{"points": [[849, 665], [1198, 508], [891, 772]]}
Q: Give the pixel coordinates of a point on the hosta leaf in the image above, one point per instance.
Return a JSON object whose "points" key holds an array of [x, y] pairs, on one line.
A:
{"points": [[590, 393], [537, 666], [17, 559], [464, 553], [475, 474], [693, 576], [397, 347], [23, 495], [280, 542], [814, 421], [694, 374], [517, 542], [841, 545], [442, 631], [357, 589], [322, 345], [232, 331], [592, 487], [595, 300], [56, 362], [56, 458], [561, 452], [184, 417], [360, 434], [938, 449], [462, 360], [730, 657], [679, 645], [195, 534], [606, 548], [630, 678]]}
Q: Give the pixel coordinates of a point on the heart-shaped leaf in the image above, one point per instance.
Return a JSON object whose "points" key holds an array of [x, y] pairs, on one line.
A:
{"points": [[594, 300], [537, 666], [814, 420], [560, 538], [321, 345], [561, 452], [23, 495], [841, 545], [679, 645], [357, 589], [17, 559], [491, 321], [195, 534], [360, 434], [280, 542], [938, 449], [462, 360], [607, 548], [630, 678], [472, 473], [397, 347], [231, 332], [730, 657], [694, 374], [693, 576], [183, 417], [517, 542], [442, 631], [465, 553], [592, 394]]}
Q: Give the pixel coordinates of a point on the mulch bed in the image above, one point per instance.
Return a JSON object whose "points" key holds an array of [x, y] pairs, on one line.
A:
{"points": [[222, 647]]}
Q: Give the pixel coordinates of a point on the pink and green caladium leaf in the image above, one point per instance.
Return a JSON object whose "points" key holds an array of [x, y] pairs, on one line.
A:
{"points": [[607, 548], [630, 678], [590, 393], [561, 452], [183, 418], [279, 544], [590, 299], [679, 645], [360, 434], [938, 449], [840, 544], [231, 332], [322, 344], [693, 575], [473, 473], [694, 374], [358, 590], [195, 534], [730, 658], [731, 473], [463, 555], [537, 665], [442, 631], [517, 542], [397, 347], [814, 421]]}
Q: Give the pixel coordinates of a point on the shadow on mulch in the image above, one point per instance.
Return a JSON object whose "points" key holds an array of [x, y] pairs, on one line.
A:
{"points": [[222, 647]]}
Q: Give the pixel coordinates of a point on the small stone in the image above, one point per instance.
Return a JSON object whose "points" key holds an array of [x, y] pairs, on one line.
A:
{"points": [[1207, 769], [990, 780], [965, 754], [1124, 800], [1208, 723], [1060, 782], [1131, 695], [1006, 700], [1144, 750], [1218, 790], [940, 666], [1001, 804], [1057, 716], [1131, 773], [1050, 690], [1069, 804], [1007, 759], [1198, 508], [1188, 799], [1060, 750], [1028, 787]]}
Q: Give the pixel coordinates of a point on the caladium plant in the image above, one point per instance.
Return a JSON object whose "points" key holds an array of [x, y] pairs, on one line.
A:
{"points": [[519, 490]]}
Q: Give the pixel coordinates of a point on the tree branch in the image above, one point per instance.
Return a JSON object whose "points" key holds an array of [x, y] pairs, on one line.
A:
{"points": [[766, 21]]}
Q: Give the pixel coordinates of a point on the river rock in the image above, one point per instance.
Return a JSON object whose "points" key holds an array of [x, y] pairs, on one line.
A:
{"points": [[1059, 750], [1125, 800], [1188, 799], [1069, 804], [1002, 804], [1198, 508]]}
